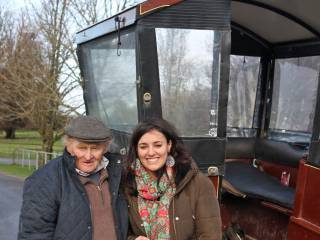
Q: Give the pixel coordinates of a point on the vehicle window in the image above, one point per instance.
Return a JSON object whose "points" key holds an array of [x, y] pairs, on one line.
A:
{"points": [[112, 82], [243, 82], [294, 97], [189, 70]]}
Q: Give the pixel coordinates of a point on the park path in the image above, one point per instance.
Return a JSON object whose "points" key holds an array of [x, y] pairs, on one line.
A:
{"points": [[17, 161], [6, 161], [10, 204]]}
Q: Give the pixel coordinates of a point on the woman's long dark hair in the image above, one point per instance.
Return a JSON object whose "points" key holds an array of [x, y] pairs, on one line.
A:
{"points": [[178, 151]]}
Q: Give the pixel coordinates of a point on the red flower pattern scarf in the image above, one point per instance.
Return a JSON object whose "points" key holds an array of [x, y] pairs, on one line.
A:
{"points": [[153, 202]]}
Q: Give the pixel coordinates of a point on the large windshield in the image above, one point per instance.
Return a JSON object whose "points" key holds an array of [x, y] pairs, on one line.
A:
{"points": [[110, 80], [189, 70], [294, 98]]}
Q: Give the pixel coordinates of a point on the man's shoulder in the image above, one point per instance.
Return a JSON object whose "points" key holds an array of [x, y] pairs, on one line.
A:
{"points": [[49, 170]]}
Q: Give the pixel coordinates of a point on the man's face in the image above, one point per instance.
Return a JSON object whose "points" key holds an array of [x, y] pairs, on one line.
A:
{"points": [[88, 155]]}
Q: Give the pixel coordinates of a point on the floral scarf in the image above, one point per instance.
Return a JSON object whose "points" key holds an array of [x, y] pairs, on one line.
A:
{"points": [[153, 202]]}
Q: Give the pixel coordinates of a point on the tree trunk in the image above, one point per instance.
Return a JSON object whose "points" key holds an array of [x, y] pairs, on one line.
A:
{"points": [[47, 145], [10, 133]]}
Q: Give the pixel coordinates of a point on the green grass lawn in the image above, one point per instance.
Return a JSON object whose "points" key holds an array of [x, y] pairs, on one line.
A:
{"points": [[16, 170], [24, 139]]}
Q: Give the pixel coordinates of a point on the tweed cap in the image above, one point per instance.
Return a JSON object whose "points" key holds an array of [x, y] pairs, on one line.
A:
{"points": [[87, 129]]}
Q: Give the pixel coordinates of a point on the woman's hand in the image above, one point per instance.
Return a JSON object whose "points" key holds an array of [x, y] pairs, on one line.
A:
{"points": [[142, 238]]}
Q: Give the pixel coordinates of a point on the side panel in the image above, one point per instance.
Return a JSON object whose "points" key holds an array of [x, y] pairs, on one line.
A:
{"points": [[305, 221], [207, 152]]}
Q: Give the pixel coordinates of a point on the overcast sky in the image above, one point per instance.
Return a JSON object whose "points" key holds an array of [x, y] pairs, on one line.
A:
{"points": [[13, 4]]}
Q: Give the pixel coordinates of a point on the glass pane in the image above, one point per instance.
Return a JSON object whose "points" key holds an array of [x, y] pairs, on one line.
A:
{"points": [[111, 81], [189, 69], [244, 74], [294, 94]]}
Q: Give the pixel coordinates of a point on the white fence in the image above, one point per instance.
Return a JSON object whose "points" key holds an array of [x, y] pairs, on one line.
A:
{"points": [[27, 157]]}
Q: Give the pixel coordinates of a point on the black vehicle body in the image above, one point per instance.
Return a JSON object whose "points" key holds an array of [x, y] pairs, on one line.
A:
{"points": [[240, 80]]}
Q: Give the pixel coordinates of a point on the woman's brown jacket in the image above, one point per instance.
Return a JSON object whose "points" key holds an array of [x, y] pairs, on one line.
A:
{"points": [[194, 210]]}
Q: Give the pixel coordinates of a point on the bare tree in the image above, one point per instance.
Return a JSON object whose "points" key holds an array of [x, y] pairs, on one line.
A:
{"points": [[8, 121], [38, 66], [85, 13], [34, 76], [52, 24]]}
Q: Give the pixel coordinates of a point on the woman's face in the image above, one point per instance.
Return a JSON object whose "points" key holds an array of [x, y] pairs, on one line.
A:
{"points": [[153, 149]]}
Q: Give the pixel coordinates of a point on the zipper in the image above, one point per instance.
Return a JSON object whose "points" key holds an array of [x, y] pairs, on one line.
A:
{"points": [[101, 193], [181, 186], [173, 218]]}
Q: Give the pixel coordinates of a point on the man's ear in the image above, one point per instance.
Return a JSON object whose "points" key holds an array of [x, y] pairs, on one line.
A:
{"points": [[69, 148]]}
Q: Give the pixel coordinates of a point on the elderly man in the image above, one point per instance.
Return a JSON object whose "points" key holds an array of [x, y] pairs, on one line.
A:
{"points": [[76, 196]]}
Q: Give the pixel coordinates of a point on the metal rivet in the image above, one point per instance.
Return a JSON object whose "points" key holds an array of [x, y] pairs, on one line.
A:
{"points": [[147, 98], [213, 171], [123, 151]]}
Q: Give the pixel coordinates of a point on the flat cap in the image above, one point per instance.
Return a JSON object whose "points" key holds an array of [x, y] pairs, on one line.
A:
{"points": [[87, 129]]}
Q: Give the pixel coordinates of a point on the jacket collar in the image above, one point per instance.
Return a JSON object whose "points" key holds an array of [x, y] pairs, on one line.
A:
{"points": [[187, 178], [113, 169], [69, 160]]}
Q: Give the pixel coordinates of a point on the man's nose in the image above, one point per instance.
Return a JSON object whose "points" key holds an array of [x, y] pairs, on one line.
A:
{"points": [[88, 154]]}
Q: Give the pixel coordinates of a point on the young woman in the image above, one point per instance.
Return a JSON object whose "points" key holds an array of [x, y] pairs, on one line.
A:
{"points": [[169, 198]]}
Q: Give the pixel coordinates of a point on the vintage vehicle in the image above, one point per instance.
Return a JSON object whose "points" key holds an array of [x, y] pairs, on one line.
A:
{"points": [[240, 81]]}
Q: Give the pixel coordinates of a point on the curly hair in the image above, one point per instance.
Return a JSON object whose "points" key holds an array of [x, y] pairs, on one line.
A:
{"points": [[178, 151]]}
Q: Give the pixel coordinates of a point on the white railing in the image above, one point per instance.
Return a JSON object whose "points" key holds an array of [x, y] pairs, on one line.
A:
{"points": [[28, 157]]}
